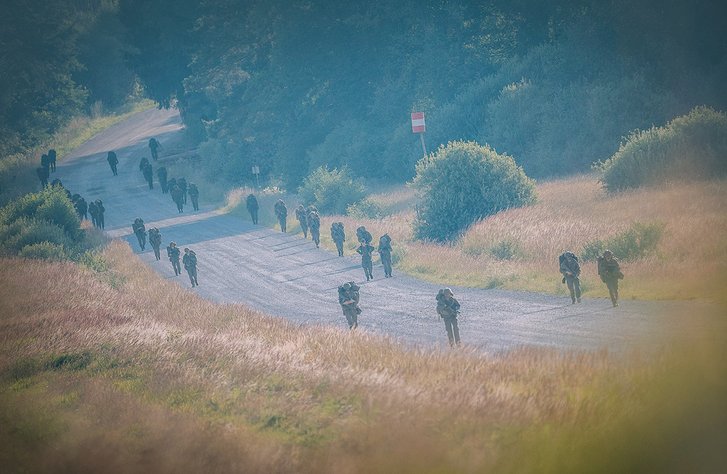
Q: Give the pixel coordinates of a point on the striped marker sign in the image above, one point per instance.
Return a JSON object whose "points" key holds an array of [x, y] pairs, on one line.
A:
{"points": [[417, 122]]}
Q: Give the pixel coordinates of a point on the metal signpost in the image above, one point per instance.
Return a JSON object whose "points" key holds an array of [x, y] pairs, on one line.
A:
{"points": [[419, 126], [256, 172]]}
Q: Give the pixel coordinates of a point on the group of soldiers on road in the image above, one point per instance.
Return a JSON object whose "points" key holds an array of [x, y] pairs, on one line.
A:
{"points": [[189, 260], [47, 166], [309, 221]]}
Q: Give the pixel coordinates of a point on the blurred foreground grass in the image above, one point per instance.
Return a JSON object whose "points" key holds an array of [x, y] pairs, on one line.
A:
{"points": [[122, 371]]}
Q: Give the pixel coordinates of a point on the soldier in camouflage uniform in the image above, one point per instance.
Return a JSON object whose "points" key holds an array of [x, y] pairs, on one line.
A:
{"points": [[610, 273], [154, 146], [190, 264], [448, 309], [194, 196], [252, 207], [571, 271], [182, 183], [113, 161], [281, 212], [314, 221], [385, 254], [52, 158], [177, 197], [302, 216], [140, 232], [162, 177], [173, 254], [366, 250], [93, 210], [339, 236], [155, 240], [148, 175], [43, 175], [348, 297], [100, 214]]}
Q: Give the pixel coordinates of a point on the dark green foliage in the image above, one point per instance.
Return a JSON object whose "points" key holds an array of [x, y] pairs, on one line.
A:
{"points": [[506, 250], [637, 241], [365, 209], [331, 191], [70, 361], [42, 225], [462, 183], [693, 146]]}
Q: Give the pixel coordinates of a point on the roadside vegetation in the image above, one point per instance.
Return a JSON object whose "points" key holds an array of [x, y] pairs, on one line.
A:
{"points": [[118, 370]]}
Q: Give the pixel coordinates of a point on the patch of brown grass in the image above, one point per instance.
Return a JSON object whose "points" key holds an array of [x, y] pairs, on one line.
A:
{"points": [[172, 382]]}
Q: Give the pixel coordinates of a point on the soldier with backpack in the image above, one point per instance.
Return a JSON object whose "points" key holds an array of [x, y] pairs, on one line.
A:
{"points": [[140, 232], [571, 271], [194, 196], [173, 254], [52, 158], [154, 146], [448, 309], [148, 175], [314, 222], [339, 236], [610, 273], [348, 297], [113, 161], [93, 210], [177, 197], [302, 216], [100, 214], [363, 235], [281, 212], [155, 240], [182, 183], [366, 250], [162, 177], [385, 254], [252, 207], [190, 264]]}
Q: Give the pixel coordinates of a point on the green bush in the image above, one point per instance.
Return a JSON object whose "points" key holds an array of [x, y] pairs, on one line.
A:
{"points": [[692, 146], [637, 241], [44, 251], [506, 250], [331, 191], [33, 231], [365, 209], [462, 183]]}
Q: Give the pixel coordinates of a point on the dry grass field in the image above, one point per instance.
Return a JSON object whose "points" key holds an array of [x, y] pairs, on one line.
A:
{"points": [[122, 371], [519, 248]]}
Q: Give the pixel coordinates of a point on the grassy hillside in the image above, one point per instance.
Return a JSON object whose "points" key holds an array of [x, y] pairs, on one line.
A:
{"points": [[122, 371], [519, 248]]}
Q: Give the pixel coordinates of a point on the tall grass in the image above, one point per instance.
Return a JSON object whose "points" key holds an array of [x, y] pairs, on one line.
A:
{"points": [[144, 375], [519, 248]]}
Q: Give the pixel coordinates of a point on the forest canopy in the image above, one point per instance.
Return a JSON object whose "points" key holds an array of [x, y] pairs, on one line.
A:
{"points": [[291, 86]]}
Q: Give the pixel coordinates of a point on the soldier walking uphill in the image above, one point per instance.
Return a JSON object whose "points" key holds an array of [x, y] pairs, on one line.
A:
{"points": [[52, 158], [81, 207], [281, 212], [173, 254], [162, 177], [113, 161], [610, 273], [100, 214], [448, 308], [148, 175], [154, 146], [339, 236], [155, 240], [366, 250], [177, 197], [43, 175], [142, 163], [194, 196], [571, 270], [348, 296], [45, 162], [302, 216], [182, 183], [140, 232], [190, 264], [314, 221], [252, 207], [93, 210], [385, 253]]}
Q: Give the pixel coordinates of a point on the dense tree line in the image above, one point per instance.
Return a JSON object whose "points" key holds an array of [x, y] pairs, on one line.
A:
{"points": [[56, 58], [292, 85]]}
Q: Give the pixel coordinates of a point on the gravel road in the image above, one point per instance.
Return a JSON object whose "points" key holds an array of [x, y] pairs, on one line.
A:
{"points": [[286, 276]]}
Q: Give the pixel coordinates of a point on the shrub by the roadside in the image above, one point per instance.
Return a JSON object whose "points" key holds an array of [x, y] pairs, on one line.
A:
{"points": [[44, 251], [693, 146], [331, 191], [365, 209], [462, 183], [637, 241]]}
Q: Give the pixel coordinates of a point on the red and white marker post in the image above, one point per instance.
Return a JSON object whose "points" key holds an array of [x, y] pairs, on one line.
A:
{"points": [[418, 125]]}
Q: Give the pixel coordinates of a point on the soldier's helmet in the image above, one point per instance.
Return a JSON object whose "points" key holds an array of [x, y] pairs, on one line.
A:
{"points": [[346, 286], [172, 244], [607, 253], [447, 291]]}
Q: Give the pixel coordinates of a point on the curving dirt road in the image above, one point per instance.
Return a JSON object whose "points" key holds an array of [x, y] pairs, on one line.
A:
{"points": [[286, 276]]}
